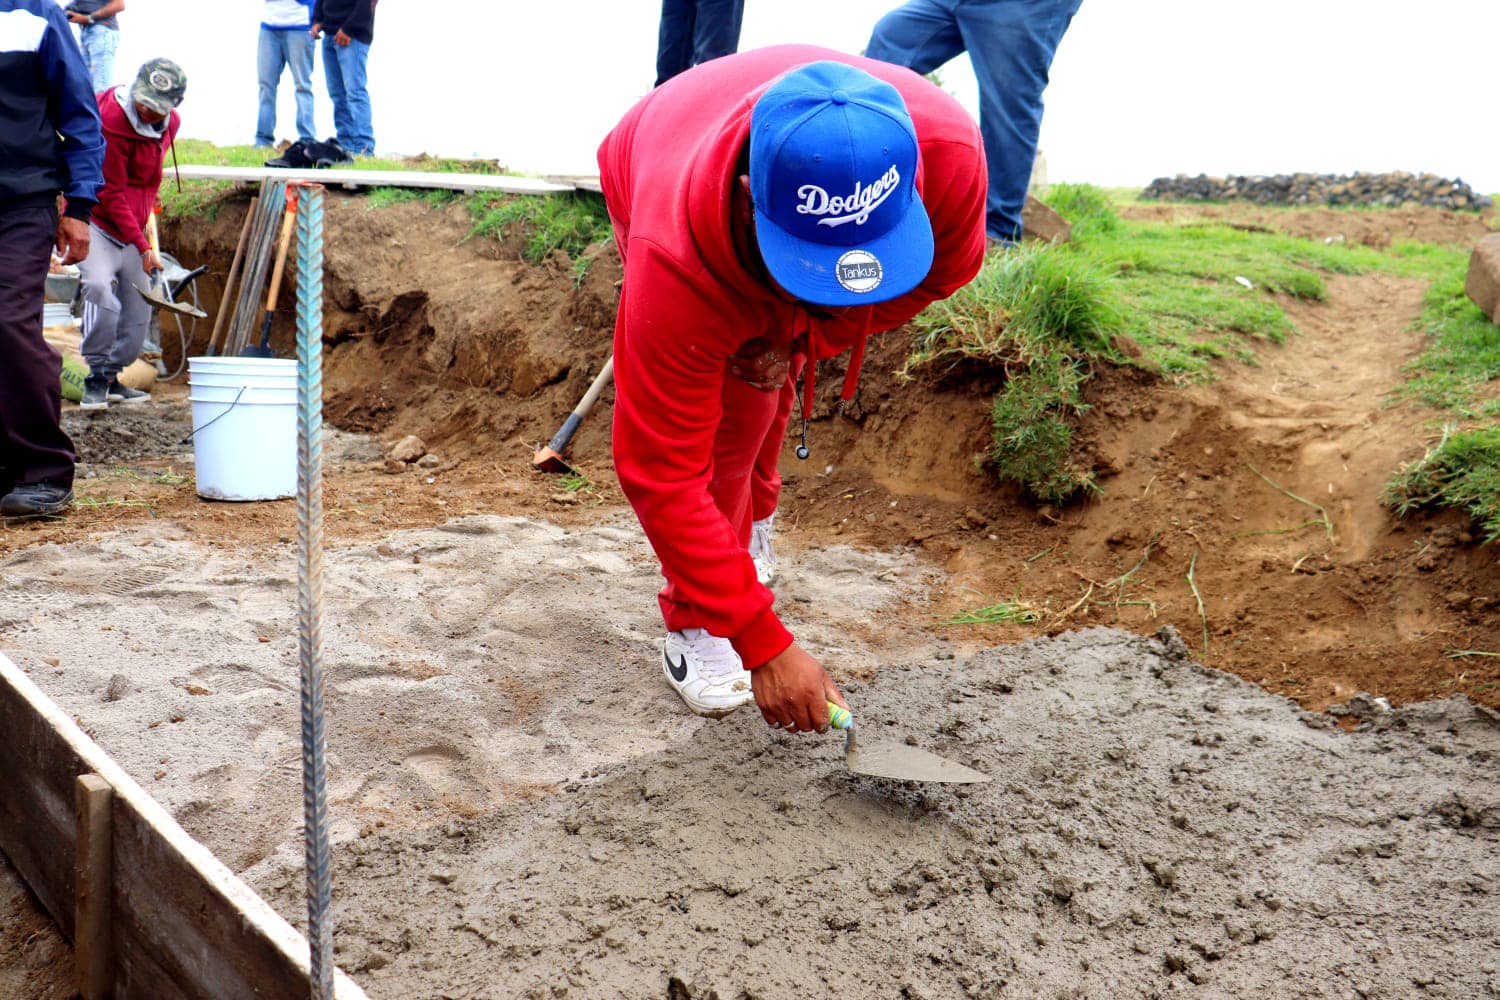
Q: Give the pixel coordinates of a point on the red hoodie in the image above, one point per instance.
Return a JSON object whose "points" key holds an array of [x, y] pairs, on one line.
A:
{"points": [[132, 173], [687, 303]]}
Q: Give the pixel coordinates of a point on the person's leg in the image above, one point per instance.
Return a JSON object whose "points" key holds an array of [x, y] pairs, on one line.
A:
{"points": [[98, 44], [1011, 43], [352, 61], [748, 416], [101, 306], [674, 39], [716, 29], [33, 446], [135, 313], [299, 56], [920, 35], [109, 42], [333, 76], [765, 484], [269, 58]]}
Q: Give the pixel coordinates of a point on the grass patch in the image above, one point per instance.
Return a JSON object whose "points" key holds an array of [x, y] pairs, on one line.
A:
{"points": [[1039, 315], [1004, 613], [568, 222], [384, 197], [1024, 304], [1462, 471], [1459, 369], [1186, 295]]}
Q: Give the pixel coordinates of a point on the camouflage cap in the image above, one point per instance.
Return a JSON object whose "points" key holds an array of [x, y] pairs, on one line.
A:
{"points": [[160, 85]]}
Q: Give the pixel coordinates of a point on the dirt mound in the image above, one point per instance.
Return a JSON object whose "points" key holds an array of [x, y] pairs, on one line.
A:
{"points": [[430, 332], [1373, 229], [1131, 845]]}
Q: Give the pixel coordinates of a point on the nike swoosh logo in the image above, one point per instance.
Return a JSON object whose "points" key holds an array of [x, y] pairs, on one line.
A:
{"points": [[677, 670]]}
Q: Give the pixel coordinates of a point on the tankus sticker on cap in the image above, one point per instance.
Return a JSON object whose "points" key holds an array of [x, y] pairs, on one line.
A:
{"points": [[859, 271]]}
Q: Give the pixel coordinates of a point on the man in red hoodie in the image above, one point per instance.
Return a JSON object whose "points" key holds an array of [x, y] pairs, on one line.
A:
{"points": [[772, 208], [139, 125]]}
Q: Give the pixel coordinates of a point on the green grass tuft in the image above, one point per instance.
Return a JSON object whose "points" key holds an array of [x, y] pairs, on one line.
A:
{"points": [[1023, 303], [1463, 471], [569, 222], [1089, 209], [1004, 613], [1032, 416], [1458, 371]]}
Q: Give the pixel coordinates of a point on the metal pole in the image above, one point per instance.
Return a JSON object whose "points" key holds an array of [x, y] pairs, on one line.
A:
{"points": [[310, 584]]}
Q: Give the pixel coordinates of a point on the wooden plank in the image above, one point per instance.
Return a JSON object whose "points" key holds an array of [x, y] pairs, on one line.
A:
{"points": [[334, 177], [183, 925], [91, 887], [583, 182]]}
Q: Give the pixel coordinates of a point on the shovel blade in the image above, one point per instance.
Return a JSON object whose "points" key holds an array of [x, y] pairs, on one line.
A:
{"points": [[906, 763], [160, 301]]}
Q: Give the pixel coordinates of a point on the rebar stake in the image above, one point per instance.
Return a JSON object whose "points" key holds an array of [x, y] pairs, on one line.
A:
{"points": [[310, 584]]}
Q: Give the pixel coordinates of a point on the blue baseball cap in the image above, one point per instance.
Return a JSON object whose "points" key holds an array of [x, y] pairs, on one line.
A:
{"points": [[833, 169]]}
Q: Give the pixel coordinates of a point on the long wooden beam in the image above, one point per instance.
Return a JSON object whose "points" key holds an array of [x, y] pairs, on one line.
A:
{"points": [[334, 177], [182, 924]]}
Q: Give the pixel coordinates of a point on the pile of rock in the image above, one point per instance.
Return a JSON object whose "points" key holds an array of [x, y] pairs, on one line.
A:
{"points": [[1399, 188]]}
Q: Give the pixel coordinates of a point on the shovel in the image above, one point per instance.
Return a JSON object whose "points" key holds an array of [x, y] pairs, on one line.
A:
{"points": [[549, 457], [896, 760], [158, 294]]}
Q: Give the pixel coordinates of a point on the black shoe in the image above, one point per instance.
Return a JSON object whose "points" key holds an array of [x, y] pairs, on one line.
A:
{"points": [[95, 393], [28, 500], [119, 392]]}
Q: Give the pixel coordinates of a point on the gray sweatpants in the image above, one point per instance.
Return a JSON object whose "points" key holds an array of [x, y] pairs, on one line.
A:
{"points": [[115, 317]]}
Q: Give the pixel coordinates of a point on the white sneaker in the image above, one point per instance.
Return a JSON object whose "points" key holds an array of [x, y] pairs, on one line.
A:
{"points": [[706, 672], [760, 549]]}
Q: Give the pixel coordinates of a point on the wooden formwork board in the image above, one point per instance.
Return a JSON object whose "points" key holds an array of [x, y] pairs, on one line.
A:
{"points": [[334, 177], [183, 925]]}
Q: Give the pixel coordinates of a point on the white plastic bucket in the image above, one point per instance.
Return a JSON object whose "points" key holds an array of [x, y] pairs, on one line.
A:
{"points": [[244, 427]]}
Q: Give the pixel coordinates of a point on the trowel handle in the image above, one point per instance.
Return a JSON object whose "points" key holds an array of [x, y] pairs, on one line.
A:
{"points": [[840, 717]]}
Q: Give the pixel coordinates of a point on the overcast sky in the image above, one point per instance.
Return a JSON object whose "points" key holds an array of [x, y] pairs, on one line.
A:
{"points": [[1140, 88]]}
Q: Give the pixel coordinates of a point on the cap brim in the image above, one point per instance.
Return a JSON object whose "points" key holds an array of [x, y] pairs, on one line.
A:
{"points": [[809, 271], [161, 105]]}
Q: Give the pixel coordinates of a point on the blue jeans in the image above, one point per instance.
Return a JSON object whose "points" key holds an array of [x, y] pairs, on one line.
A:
{"points": [[292, 49], [99, 44], [344, 71], [1011, 44], [695, 31]]}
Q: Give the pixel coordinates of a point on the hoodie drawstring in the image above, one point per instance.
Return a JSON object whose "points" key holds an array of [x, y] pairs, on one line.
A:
{"points": [[809, 376]]}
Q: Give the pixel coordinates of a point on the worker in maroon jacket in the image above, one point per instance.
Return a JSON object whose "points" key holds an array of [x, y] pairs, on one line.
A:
{"points": [[139, 125], [772, 208]]}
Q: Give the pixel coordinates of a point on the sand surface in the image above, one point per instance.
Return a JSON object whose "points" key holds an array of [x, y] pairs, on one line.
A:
{"points": [[521, 807]]}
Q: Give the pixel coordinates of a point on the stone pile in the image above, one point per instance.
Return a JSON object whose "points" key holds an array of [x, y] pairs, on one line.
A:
{"points": [[1386, 190]]}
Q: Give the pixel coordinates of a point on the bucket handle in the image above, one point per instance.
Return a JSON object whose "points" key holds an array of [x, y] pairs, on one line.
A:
{"points": [[243, 389]]}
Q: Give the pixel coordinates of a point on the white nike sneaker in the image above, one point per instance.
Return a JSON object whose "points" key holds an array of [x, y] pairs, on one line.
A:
{"points": [[706, 672], [760, 549]]}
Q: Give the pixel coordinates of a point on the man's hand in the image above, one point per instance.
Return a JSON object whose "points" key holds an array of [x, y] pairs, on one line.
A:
{"points": [[342, 40], [317, 31], [793, 691], [150, 263], [72, 240], [78, 18], [762, 364]]}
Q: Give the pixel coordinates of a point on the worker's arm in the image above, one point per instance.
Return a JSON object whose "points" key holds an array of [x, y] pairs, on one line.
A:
{"points": [[360, 20], [672, 347], [109, 10], [74, 112]]}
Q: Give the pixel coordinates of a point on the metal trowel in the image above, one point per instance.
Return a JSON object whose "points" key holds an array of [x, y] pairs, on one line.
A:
{"points": [[895, 760]]}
